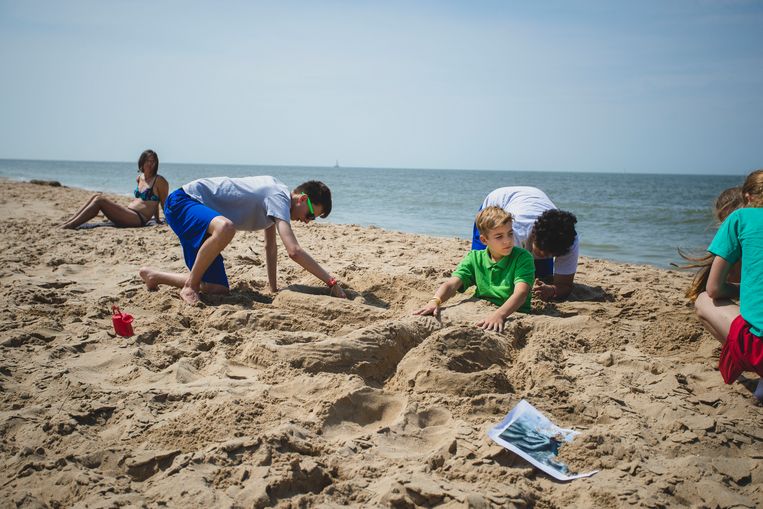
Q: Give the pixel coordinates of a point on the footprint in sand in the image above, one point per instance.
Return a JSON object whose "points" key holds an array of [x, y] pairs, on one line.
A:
{"points": [[386, 422], [419, 432], [361, 412]]}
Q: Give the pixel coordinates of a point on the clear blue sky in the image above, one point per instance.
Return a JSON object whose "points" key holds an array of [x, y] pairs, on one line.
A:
{"points": [[643, 86]]}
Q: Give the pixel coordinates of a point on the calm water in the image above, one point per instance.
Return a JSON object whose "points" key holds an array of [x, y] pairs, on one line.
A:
{"points": [[624, 217]]}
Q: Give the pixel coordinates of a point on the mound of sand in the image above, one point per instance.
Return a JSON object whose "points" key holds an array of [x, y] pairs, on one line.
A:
{"points": [[298, 399]]}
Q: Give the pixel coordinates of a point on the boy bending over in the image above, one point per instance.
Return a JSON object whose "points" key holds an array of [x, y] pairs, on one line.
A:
{"points": [[503, 273], [205, 215]]}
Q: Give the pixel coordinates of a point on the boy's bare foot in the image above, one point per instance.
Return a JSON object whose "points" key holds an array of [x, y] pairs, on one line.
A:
{"points": [[190, 296], [148, 275]]}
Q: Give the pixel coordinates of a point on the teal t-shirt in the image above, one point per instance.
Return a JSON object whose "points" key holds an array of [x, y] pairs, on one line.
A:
{"points": [[496, 281], [741, 237]]}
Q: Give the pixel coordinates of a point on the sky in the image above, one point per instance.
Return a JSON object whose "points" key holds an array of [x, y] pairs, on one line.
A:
{"points": [[617, 86]]}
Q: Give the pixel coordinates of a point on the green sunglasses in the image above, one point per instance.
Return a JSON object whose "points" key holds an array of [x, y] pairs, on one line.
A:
{"points": [[310, 215]]}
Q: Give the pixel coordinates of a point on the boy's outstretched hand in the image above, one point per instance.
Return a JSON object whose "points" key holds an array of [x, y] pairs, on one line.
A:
{"points": [[336, 291], [432, 308], [495, 321]]}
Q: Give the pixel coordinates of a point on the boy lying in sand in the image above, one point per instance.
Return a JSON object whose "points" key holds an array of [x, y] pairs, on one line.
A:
{"points": [[503, 273]]}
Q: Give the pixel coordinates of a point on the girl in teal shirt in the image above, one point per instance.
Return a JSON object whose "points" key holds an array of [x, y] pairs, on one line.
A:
{"points": [[738, 327]]}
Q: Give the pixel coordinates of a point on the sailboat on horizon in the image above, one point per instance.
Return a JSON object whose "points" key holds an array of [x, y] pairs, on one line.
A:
{"points": [[336, 164]]}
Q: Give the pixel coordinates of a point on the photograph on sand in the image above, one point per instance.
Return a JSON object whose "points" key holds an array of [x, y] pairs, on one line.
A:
{"points": [[547, 216]]}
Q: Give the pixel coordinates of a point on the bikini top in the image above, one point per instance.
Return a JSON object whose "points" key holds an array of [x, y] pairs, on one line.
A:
{"points": [[148, 194]]}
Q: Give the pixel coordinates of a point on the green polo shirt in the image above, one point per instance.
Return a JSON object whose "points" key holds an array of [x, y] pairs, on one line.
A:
{"points": [[496, 281]]}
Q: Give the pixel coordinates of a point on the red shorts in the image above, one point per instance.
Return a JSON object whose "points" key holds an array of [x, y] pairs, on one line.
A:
{"points": [[742, 351]]}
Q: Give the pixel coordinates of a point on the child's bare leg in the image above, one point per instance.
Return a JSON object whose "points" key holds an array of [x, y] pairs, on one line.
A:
{"points": [[221, 232], [214, 289], [716, 315], [153, 278]]}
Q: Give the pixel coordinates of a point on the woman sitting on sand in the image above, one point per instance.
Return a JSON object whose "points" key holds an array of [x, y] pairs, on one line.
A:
{"points": [[150, 192]]}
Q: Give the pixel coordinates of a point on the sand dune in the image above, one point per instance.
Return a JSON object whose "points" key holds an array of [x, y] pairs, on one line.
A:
{"points": [[298, 399]]}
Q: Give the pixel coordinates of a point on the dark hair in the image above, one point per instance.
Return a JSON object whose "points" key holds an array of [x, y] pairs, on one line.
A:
{"points": [[145, 155], [319, 194], [555, 231]]}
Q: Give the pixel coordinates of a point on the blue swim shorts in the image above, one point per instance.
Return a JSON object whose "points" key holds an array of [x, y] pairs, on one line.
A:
{"points": [[544, 267], [190, 219], [477, 244]]}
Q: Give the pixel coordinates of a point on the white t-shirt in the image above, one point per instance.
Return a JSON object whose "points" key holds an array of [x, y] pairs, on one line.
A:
{"points": [[252, 203], [526, 204]]}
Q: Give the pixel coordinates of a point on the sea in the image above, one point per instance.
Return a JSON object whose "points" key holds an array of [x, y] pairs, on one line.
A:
{"points": [[626, 217]]}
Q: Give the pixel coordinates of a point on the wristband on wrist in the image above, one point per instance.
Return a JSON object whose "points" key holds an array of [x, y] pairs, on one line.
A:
{"points": [[331, 283], [436, 301]]}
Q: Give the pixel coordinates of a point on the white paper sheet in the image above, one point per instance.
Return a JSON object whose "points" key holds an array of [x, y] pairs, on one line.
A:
{"points": [[527, 432]]}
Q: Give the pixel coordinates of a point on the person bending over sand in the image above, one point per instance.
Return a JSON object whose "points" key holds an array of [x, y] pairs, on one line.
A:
{"points": [[206, 213], [150, 192], [547, 232], [738, 327], [503, 273]]}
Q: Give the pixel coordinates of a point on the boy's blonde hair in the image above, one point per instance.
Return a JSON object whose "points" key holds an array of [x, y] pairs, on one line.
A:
{"points": [[490, 218], [753, 188]]}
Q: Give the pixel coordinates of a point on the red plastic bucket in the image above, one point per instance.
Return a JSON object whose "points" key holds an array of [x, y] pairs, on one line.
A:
{"points": [[122, 322]]}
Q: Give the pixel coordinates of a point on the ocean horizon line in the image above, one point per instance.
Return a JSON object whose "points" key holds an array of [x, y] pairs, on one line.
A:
{"points": [[641, 218], [396, 168]]}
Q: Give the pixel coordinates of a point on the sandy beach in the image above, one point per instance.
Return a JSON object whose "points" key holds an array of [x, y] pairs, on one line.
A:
{"points": [[297, 399]]}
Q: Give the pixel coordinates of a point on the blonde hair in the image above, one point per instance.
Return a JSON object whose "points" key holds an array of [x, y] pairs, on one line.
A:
{"points": [[490, 218], [749, 195], [752, 189], [727, 202]]}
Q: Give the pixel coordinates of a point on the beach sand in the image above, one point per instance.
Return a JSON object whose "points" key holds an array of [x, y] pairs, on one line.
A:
{"points": [[299, 399]]}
